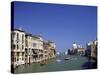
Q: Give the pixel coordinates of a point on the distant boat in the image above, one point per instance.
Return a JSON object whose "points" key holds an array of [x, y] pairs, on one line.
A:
{"points": [[67, 58], [58, 60]]}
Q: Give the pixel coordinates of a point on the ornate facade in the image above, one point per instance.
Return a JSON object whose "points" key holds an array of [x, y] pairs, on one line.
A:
{"points": [[26, 48]]}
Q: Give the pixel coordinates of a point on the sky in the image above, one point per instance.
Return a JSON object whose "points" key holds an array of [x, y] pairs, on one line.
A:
{"points": [[62, 24]]}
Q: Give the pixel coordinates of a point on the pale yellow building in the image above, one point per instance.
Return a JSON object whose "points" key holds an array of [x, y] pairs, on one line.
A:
{"points": [[17, 47], [26, 48], [49, 48], [37, 48]]}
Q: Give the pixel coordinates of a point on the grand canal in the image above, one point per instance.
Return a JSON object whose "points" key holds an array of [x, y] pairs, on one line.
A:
{"points": [[75, 62]]}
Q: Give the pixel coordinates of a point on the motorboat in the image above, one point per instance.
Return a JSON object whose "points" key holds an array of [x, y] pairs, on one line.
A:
{"points": [[58, 60], [67, 58]]}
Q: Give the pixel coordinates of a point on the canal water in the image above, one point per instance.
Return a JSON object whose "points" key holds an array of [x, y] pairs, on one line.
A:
{"points": [[57, 64]]}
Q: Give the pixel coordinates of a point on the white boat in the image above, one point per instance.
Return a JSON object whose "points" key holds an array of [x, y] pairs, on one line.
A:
{"points": [[58, 60], [67, 58]]}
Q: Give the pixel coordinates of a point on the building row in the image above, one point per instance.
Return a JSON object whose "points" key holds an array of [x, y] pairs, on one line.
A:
{"points": [[27, 48], [91, 50], [76, 49], [91, 53]]}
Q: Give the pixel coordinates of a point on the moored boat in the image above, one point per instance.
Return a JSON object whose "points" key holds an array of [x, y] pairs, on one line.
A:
{"points": [[43, 63]]}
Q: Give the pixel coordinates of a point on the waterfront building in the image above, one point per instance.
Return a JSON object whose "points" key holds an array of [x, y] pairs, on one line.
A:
{"points": [[27, 48], [91, 50], [49, 48], [74, 45], [52, 49], [80, 50], [76, 49], [17, 47], [94, 49], [37, 48], [34, 48], [46, 49]]}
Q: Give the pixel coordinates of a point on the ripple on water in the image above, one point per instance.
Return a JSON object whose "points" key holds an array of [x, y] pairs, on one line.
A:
{"points": [[75, 63]]}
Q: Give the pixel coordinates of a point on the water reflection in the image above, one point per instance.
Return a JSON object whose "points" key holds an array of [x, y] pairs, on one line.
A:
{"points": [[57, 64]]}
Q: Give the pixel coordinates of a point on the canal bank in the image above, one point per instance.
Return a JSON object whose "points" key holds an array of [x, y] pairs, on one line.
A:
{"points": [[74, 63]]}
